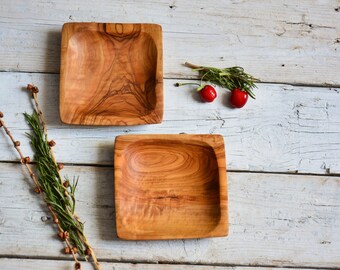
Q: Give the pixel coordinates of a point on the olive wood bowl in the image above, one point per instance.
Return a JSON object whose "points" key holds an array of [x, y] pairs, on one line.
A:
{"points": [[170, 186], [111, 74]]}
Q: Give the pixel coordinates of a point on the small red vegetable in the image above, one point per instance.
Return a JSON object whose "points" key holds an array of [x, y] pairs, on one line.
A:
{"points": [[238, 98], [208, 93]]}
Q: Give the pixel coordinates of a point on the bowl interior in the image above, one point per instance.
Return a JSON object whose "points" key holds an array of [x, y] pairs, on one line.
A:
{"points": [[109, 75], [170, 188]]}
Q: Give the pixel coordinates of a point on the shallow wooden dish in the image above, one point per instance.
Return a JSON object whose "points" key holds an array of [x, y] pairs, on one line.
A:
{"points": [[111, 74], [170, 186]]}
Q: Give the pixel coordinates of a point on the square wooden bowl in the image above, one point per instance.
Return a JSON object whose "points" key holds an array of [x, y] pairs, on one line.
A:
{"points": [[170, 186], [111, 74]]}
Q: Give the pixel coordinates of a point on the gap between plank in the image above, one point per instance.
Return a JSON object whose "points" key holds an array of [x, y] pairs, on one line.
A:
{"points": [[190, 79], [232, 171], [51, 258]]}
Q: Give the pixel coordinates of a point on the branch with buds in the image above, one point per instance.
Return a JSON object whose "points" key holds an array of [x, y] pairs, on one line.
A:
{"points": [[58, 193]]}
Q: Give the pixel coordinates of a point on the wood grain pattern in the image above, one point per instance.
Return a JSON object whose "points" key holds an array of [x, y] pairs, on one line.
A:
{"points": [[286, 129], [277, 41], [276, 219], [170, 186], [272, 217], [111, 74], [29, 264]]}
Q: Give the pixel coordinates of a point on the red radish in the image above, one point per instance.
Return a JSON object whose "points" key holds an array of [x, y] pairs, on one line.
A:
{"points": [[238, 98]]}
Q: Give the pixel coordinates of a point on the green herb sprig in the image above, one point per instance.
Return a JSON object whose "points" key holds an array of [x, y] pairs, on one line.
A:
{"points": [[58, 193], [229, 78]]}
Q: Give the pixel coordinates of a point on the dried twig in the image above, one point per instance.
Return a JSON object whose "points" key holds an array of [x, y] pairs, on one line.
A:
{"points": [[26, 161], [89, 251], [58, 194]]}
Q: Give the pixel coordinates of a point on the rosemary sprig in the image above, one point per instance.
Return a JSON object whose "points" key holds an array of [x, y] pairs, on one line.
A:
{"points": [[58, 193], [229, 78], [26, 161], [60, 198]]}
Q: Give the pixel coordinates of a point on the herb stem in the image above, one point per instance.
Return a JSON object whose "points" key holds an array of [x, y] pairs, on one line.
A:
{"points": [[230, 78], [80, 233], [58, 194], [38, 188], [180, 84], [32, 175], [43, 123], [187, 64]]}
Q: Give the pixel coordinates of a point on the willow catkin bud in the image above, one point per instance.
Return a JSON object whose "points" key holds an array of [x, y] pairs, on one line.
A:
{"points": [[61, 235], [26, 160], [35, 90], [66, 235], [51, 143], [32, 88], [67, 250], [37, 190], [88, 252]]}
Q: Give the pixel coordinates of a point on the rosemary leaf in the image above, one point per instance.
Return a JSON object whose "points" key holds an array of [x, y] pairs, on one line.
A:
{"points": [[229, 78], [57, 196]]}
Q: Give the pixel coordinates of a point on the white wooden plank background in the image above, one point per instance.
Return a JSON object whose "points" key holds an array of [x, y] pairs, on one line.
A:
{"points": [[287, 129], [278, 41], [15, 264], [280, 220]]}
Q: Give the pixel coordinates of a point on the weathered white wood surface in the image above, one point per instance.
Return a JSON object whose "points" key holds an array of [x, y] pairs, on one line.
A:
{"points": [[17, 264], [287, 129], [278, 220], [278, 41], [275, 219]]}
